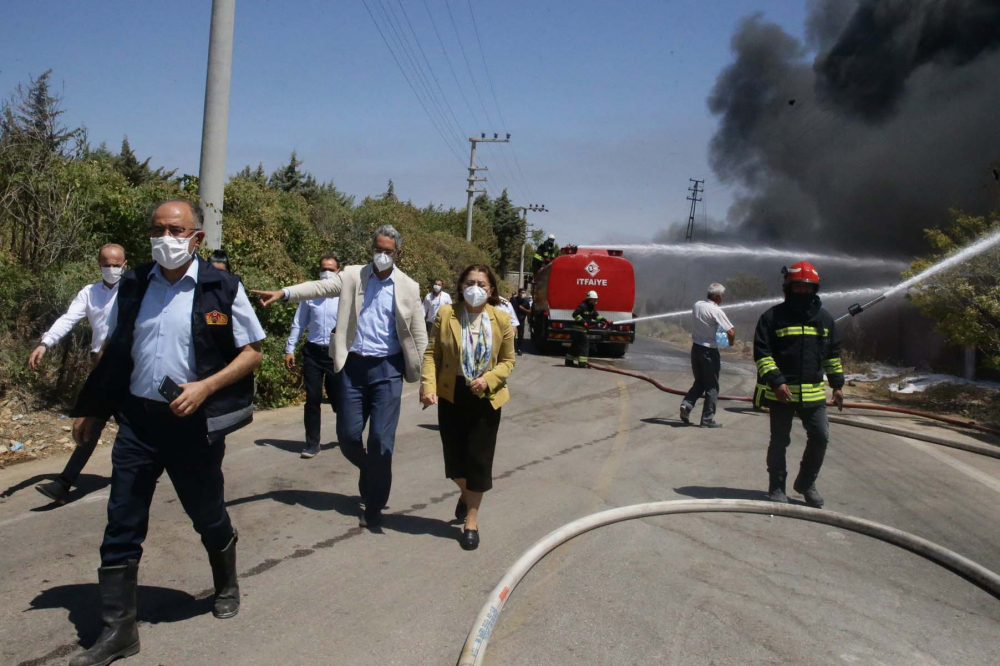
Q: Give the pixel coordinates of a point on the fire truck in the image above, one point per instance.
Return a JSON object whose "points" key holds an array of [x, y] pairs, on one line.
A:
{"points": [[562, 285]]}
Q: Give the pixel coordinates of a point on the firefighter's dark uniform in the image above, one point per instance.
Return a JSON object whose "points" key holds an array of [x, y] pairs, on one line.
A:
{"points": [[585, 317], [544, 255], [796, 347]]}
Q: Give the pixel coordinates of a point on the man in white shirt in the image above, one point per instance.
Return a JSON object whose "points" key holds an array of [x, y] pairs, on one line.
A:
{"points": [[433, 302], [319, 316], [93, 302], [706, 364]]}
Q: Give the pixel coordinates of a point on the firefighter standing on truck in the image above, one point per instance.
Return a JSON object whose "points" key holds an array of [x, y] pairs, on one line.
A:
{"points": [[546, 252], [795, 343], [585, 317]]}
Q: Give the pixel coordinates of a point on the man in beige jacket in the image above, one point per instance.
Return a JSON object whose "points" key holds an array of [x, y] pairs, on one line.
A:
{"points": [[379, 341]]}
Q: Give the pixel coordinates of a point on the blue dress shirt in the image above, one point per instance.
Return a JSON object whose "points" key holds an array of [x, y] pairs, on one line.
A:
{"points": [[319, 316], [161, 342], [376, 334]]}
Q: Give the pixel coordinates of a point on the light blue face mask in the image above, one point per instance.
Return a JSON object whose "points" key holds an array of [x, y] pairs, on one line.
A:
{"points": [[326, 275]]}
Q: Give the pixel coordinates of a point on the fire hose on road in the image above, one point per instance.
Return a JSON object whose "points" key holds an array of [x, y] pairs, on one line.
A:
{"points": [[482, 629], [975, 448]]}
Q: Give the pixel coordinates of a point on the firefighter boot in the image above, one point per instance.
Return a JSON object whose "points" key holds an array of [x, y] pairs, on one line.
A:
{"points": [[806, 486], [120, 636], [227, 588], [776, 489]]}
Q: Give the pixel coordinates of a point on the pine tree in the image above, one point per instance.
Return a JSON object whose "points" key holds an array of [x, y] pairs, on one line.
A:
{"points": [[288, 178], [137, 173], [390, 193]]}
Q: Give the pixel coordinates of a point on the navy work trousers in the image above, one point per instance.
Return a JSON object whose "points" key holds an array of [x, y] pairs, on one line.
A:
{"points": [[150, 440], [318, 374], [817, 426], [370, 391], [706, 365]]}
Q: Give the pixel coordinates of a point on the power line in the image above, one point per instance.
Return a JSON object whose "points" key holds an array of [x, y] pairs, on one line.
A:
{"points": [[429, 67], [451, 67], [467, 65], [410, 83], [410, 54]]}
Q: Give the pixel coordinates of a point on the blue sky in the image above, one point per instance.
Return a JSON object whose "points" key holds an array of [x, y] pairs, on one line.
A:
{"points": [[605, 101]]}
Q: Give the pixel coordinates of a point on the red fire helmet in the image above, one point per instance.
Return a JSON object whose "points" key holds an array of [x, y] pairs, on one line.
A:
{"points": [[802, 271]]}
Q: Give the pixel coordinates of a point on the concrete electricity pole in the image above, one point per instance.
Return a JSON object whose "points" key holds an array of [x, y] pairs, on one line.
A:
{"points": [[212, 174], [524, 241], [473, 180], [694, 202]]}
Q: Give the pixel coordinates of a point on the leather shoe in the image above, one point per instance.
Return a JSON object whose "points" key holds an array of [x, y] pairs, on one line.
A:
{"points": [[470, 539]]}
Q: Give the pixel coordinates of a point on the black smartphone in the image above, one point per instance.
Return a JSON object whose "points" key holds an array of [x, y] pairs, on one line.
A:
{"points": [[169, 389]]}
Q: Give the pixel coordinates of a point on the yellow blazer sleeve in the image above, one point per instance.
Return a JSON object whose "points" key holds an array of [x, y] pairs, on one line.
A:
{"points": [[432, 358], [496, 378]]}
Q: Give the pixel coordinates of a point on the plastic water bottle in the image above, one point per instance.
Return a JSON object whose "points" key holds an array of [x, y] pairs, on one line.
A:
{"points": [[721, 338]]}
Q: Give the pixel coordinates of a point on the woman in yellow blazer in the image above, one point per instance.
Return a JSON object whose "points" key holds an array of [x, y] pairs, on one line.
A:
{"points": [[469, 357]]}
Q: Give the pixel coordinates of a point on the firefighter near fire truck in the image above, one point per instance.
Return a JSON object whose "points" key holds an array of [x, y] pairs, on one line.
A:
{"points": [[795, 344], [545, 253], [585, 317], [559, 287]]}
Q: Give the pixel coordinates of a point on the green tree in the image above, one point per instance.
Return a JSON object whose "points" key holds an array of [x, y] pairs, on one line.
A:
{"points": [[136, 172], [508, 227], [290, 178], [964, 302]]}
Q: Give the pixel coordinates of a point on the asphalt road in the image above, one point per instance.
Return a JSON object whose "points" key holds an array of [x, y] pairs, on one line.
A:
{"points": [[698, 589]]}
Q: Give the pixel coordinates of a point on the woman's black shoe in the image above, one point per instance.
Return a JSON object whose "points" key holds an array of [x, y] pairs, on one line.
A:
{"points": [[461, 510], [470, 539]]}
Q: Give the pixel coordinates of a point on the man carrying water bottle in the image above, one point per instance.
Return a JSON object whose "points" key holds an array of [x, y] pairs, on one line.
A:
{"points": [[706, 364]]}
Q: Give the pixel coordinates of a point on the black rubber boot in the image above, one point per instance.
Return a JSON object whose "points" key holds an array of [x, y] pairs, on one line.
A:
{"points": [[806, 486], [227, 587], [776, 489], [120, 637]]}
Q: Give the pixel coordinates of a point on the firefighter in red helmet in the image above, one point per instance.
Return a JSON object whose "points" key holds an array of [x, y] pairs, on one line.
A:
{"points": [[795, 344]]}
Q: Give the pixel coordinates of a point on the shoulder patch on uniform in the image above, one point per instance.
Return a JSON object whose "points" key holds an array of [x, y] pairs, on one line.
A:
{"points": [[216, 318]]}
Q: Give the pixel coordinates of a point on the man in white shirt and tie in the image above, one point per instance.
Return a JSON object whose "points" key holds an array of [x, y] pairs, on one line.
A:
{"points": [[433, 302], [93, 302], [319, 317]]}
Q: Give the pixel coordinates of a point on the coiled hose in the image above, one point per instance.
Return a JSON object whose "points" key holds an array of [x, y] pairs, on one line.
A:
{"points": [[482, 629]]}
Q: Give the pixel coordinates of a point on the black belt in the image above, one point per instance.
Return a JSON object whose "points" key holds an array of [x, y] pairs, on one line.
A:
{"points": [[152, 406]]}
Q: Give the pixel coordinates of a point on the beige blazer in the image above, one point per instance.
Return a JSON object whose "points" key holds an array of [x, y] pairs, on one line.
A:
{"points": [[349, 285], [443, 358]]}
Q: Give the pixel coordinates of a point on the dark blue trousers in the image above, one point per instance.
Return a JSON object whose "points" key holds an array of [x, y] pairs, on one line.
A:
{"points": [[150, 440], [370, 391]]}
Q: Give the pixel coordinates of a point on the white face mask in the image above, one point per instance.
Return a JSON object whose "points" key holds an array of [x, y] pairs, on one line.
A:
{"points": [[112, 274], [170, 252], [437, 289], [326, 275], [475, 295], [382, 261]]}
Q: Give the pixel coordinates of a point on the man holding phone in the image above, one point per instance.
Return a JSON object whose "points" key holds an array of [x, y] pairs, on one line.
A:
{"points": [[177, 372]]}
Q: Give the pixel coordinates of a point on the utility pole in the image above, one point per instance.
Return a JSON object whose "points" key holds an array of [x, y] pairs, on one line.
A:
{"points": [[524, 240], [215, 126], [694, 202], [473, 180]]}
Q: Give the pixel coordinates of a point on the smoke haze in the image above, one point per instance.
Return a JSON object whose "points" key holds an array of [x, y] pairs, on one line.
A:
{"points": [[866, 133]]}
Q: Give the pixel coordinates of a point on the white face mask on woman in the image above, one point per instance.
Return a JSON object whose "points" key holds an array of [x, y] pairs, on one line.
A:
{"points": [[170, 252], [112, 274], [382, 261], [437, 289], [475, 295]]}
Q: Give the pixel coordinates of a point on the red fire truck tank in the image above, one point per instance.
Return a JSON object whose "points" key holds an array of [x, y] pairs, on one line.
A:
{"points": [[563, 284]]}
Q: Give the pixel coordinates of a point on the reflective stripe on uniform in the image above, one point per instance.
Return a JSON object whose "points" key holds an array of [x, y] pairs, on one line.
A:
{"points": [[801, 330], [833, 366], [801, 392], [758, 394], [766, 365]]}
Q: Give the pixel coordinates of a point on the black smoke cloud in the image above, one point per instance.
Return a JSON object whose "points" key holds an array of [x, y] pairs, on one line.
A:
{"points": [[867, 133]]}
